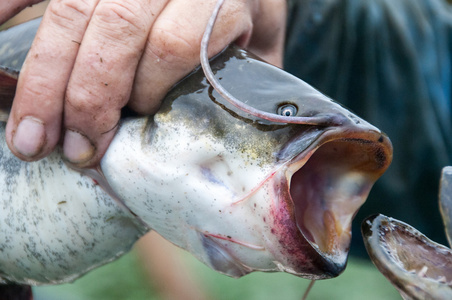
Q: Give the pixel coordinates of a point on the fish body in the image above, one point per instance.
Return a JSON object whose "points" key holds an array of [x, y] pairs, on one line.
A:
{"points": [[240, 193]]}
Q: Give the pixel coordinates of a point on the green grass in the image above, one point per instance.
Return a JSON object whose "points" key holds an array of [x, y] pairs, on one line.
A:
{"points": [[125, 280]]}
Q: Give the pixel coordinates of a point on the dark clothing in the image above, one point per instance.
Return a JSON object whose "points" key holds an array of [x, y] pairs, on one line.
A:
{"points": [[389, 61]]}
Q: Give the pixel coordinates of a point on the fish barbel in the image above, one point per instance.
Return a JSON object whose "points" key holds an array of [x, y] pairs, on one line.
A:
{"points": [[239, 192]]}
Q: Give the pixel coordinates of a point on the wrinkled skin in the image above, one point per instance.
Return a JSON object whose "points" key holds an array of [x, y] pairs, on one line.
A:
{"points": [[240, 193]]}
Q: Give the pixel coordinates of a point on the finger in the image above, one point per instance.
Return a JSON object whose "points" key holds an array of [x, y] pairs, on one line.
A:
{"points": [[34, 124], [8, 9], [103, 75], [172, 50]]}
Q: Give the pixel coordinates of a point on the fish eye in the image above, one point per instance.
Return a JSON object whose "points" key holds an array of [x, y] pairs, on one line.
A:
{"points": [[287, 110]]}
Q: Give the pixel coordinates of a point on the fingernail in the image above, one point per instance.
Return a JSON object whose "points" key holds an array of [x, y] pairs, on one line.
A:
{"points": [[29, 137], [77, 148]]}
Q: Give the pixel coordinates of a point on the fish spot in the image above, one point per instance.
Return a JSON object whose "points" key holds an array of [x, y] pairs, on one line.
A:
{"points": [[381, 158], [109, 219], [354, 118]]}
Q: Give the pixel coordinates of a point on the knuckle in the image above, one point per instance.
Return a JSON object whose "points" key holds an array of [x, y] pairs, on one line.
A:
{"points": [[101, 111], [173, 46], [124, 15], [83, 100], [67, 13], [91, 114]]}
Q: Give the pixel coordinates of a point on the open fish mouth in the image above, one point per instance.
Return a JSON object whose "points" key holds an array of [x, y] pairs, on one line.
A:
{"points": [[326, 185]]}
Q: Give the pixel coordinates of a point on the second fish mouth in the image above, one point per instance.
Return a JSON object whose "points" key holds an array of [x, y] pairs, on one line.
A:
{"points": [[327, 186], [418, 267]]}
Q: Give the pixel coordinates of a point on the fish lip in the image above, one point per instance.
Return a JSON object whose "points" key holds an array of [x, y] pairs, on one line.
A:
{"points": [[420, 271], [328, 254]]}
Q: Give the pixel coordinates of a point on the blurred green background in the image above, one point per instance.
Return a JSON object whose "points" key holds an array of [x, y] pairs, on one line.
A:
{"points": [[125, 279]]}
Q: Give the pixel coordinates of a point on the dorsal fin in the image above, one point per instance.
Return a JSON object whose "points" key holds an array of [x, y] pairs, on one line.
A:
{"points": [[8, 83]]}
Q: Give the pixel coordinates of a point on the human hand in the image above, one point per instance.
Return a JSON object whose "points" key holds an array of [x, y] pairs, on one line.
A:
{"points": [[90, 58]]}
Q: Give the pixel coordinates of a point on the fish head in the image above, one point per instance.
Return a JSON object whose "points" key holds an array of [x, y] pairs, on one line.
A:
{"points": [[245, 194]]}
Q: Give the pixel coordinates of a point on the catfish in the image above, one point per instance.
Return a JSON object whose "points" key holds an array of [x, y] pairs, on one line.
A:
{"points": [[240, 192]]}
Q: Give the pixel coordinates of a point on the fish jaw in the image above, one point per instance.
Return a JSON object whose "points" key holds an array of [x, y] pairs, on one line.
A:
{"points": [[318, 195]]}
